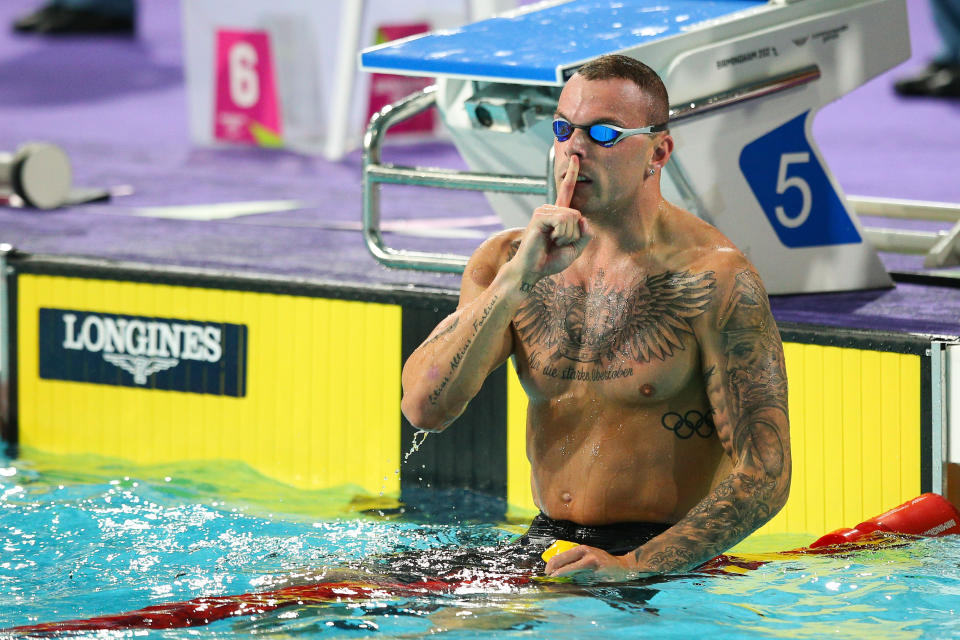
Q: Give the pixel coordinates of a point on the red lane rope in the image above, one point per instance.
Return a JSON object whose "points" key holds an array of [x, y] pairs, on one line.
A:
{"points": [[204, 610]]}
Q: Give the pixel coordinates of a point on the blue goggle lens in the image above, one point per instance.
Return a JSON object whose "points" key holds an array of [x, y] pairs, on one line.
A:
{"points": [[562, 130], [602, 134]]}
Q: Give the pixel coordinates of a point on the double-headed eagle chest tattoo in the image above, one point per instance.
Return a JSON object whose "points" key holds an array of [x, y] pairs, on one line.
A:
{"points": [[604, 324]]}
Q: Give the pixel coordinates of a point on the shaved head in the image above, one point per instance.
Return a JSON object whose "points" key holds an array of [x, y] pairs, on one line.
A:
{"points": [[622, 67]]}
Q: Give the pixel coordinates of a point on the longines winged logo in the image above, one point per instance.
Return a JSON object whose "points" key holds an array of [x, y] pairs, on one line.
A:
{"points": [[139, 366], [180, 355]]}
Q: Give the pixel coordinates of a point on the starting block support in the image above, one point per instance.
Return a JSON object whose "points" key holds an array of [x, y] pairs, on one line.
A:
{"points": [[376, 173]]}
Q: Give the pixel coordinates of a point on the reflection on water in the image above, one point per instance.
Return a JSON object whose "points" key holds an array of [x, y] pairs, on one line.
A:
{"points": [[84, 536]]}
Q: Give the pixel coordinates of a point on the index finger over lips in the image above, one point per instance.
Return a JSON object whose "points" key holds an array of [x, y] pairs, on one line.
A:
{"points": [[569, 182]]}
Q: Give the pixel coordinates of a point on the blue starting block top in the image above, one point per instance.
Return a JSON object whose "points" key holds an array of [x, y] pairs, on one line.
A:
{"points": [[538, 46]]}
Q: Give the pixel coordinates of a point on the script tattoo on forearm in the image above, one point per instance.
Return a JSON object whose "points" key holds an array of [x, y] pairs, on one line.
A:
{"points": [[478, 322], [601, 323], [483, 315], [447, 331], [755, 412]]}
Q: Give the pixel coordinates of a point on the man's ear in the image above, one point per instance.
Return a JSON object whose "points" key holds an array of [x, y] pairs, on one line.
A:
{"points": [[662, 151]]}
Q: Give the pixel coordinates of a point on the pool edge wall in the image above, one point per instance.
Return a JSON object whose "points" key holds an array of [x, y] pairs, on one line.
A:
{"points": [[304, 364]]}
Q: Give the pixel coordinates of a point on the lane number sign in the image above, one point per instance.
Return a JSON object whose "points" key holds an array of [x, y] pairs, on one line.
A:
{"points": [[793, 189], [247, 108]]}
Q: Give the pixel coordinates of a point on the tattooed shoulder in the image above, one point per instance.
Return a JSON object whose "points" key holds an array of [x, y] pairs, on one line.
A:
{"points": [[747, 307]]}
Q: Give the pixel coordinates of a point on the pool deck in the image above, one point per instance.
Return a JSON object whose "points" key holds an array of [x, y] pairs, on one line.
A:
{"points": [[118, 106]]}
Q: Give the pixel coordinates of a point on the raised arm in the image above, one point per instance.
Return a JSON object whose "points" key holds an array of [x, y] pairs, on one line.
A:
{"points": [[448, 369]]}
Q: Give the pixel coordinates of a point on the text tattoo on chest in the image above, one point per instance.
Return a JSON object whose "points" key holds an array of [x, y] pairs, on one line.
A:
{"points": [[601, 324]]}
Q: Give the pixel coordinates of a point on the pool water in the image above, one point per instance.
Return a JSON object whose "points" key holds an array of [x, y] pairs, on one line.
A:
{"points": [[84, 537]]}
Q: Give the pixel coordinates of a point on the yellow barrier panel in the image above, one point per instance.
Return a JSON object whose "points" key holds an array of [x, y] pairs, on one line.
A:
{"points": [[855, 434], [518, 467], [322, 397]]}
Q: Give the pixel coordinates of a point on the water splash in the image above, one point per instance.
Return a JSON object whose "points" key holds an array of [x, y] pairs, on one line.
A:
{"points": [[416, 444]]}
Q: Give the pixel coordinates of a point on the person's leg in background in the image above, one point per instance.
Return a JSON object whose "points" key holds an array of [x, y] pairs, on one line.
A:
{"points": [[80, 16], [941, 78]]}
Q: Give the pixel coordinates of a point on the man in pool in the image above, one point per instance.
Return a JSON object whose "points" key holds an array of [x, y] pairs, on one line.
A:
{"points": [[657, 427]]}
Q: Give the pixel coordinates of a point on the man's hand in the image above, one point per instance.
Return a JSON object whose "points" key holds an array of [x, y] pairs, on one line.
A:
{"points": [[556, 235], [595, 562]]}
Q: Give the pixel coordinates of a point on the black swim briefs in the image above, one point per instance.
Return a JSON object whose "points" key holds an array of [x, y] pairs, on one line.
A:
{"points": [[617, 539]]}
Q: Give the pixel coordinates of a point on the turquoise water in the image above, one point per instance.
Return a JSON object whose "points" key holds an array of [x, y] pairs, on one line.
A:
{"points": [[82, 537]]}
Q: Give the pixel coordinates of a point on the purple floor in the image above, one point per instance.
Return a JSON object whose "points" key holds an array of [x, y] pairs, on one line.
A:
{"points": [[118, 106]]}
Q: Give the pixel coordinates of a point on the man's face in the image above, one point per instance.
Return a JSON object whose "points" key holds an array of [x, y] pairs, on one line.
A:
{"points": [[610, 177]]}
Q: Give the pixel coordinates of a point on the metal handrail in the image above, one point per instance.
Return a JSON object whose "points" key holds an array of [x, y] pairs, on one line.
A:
{"points": [[940, 248], [906, 209], [376, 173]]}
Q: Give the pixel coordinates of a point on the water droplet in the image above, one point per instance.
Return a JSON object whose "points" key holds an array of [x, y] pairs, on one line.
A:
{"points": [[416, 445]]}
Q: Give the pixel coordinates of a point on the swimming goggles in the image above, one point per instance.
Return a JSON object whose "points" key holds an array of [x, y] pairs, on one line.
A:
{"points": [[605, 135]]}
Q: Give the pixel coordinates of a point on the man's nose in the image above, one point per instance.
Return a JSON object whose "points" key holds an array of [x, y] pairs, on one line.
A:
{"points": [[576, 144]]}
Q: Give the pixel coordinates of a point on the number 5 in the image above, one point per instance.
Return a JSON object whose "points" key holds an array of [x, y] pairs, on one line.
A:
{"points": [[784, 183]]}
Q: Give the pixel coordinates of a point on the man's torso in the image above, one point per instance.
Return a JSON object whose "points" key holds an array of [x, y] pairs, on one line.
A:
{"points": [[619, 428]]}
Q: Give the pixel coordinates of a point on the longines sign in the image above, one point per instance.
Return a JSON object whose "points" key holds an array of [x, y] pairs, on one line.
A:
{"points": [[136, 351]]}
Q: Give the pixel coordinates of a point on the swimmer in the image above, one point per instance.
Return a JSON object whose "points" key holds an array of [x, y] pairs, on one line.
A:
{"points": [[657, 428]]}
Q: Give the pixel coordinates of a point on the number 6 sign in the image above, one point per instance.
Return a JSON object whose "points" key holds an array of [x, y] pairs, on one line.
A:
{"points": [[793, 189], [246, 110]]}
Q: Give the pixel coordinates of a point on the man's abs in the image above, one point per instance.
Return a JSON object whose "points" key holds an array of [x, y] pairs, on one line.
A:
{"points": [[601, 465]]}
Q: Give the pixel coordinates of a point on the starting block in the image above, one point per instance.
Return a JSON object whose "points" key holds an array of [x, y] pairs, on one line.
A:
{"points": [[745, 79]]}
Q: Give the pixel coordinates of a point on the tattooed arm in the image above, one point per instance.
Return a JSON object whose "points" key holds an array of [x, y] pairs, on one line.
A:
{"points": [[447, 370], [746, 383]]}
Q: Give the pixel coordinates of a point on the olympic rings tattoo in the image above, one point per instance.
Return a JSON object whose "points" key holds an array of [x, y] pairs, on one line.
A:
{"points": [[692, 422]]}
